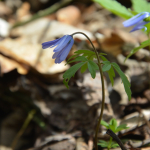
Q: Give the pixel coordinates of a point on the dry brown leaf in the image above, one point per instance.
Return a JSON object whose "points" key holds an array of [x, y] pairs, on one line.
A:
{"points": [[65, 15], [8, 65]]}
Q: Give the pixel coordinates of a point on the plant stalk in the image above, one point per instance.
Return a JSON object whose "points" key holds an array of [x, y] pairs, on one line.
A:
{"points": [[103, 89]]}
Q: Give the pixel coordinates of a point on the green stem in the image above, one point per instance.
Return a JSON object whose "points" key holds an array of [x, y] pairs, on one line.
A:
{"points": [[21, 131], [103, 89], [110, 141]]}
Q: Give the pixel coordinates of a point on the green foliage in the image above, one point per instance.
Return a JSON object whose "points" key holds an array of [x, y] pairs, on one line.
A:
{"points": [[103, 58], [113, 125], [92, 68], [115, 7], [143, 44], [103, 143], [125, 81], [70, 72], [111, 75], [85, 57], [83, 68], [109, 67], [141, 6], [106, 66]]}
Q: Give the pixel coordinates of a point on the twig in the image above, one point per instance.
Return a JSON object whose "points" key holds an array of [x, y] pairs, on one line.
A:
{"points": [[43, 13], [115, 137]]}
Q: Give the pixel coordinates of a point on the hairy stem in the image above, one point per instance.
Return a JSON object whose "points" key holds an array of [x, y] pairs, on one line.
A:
{"points": [[103, 89]]}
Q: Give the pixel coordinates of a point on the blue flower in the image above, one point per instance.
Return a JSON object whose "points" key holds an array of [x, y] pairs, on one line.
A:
{"points": [[64, 45], [138, 21]]}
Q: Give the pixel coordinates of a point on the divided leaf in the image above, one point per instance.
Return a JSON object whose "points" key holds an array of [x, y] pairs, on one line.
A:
{"points": [[115, 7], [103, 143], [114, 145], [143, 44], [111, 75], [70, 72], [124, 80], [106, 67], [92, 68], [105, 124], [79, 58], [121, 127], [83, 68], [85, 52], [103, 58]]}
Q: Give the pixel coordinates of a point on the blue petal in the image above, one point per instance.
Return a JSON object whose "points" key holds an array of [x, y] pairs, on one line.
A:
{"points": [[134, 20], [55, 55], [66, 50], [59, 41], [63, 43], [49, 43], [139, 26], [57, 60]]}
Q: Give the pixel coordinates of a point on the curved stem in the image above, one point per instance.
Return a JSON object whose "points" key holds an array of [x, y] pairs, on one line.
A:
{"points": [[103, 88]]}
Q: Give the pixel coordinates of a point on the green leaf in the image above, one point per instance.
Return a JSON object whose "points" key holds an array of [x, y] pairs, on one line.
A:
{"points": [[148, 28], [84, 52], [113, 124], [114, 145], [106, 67], [143, 44], [115, 7], [104, 124], [83, 68], [121, 127], [141, 6], [106, 62], [103, 143], [103, 58], [102, 54], [79, 58], [111, 75], [92, 68], [72, 57], [124, 80], [112, 128], [70, 72]]}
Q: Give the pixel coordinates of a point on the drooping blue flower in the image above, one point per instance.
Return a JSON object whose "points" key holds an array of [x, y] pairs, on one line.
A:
{"points": [[62, 49], [138, 21]]}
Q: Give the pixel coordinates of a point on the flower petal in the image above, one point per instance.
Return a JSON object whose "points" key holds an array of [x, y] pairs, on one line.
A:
{"points": [[49, 43], [57, 43], [67, 50], [134, 20], [57, 61], [139, 26], [55, 55], [63, 43]]}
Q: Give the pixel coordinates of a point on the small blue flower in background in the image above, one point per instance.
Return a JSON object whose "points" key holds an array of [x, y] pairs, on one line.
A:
{"points": [[138, 21], [64, 45]]}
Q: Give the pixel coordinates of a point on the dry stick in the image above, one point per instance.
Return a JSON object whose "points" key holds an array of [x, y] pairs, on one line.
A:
{"points": [[44, 13], [115, 137], [103, 88]]}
